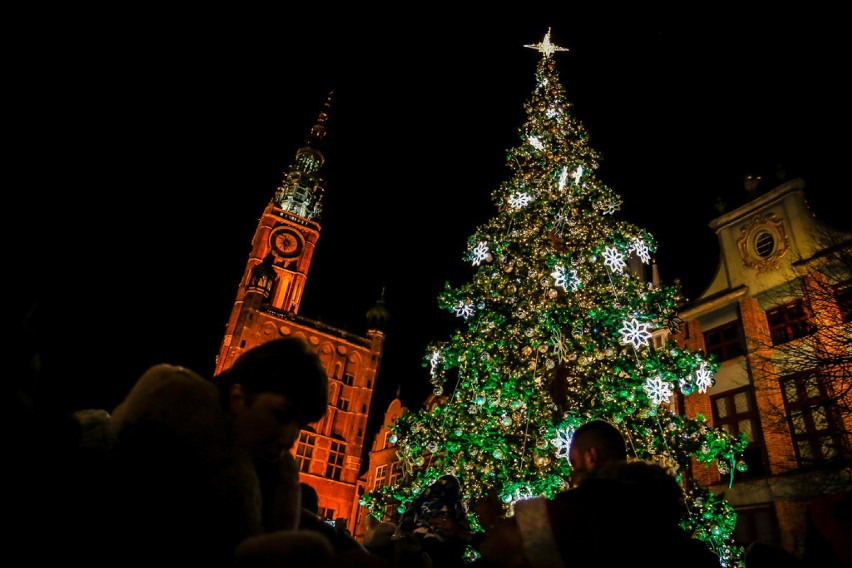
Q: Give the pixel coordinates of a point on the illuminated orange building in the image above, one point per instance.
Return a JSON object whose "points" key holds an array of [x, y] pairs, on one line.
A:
{"points": [[384, 466], [267, 306]]}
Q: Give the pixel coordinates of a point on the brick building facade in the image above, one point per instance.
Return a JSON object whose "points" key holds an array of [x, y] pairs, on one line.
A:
{"points": [[778, 306]]}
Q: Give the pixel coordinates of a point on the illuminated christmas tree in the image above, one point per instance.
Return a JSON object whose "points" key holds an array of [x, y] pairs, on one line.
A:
{"points": [[557, 327]]}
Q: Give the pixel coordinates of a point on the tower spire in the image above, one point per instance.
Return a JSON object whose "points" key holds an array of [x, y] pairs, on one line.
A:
{"points": [[301, 190], [318, 130], [377, 316]]}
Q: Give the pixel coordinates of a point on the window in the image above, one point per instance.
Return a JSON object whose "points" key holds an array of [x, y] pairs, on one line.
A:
{"points": [[326, 513], [763, 241], [758, 523], [788, 322], [348, 379], [305, 450], [724, 341], [336, 453], [816, 436], [735, 412], [343, 404], [396, 473], [764, 244], [381, 476], [843, 293]]}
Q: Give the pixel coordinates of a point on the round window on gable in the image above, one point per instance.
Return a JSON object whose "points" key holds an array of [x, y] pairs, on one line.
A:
{"points": [[764, 244]]}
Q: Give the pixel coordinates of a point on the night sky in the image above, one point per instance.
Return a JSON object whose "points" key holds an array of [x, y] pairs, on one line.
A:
{"points": [[146, 145]]}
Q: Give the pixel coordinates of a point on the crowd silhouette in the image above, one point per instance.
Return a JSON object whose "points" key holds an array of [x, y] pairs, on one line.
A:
{"points": [[198, 471]]}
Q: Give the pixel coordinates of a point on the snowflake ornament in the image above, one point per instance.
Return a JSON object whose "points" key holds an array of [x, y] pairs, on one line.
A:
{"points": [[480, 253], [560, 278], [641, 249], [611, 207], [536, 143], [566, 278], [674, 323], [433, 363], [563, 178], [464, 309], [703, 378], [635, 333], [614, 259], [560, 220], [562, 441], [519, 200], [658, 390], [560, 349], [578, 174]]}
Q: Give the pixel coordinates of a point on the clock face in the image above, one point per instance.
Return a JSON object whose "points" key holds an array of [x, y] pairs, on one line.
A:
{"points": [[287, 242]]}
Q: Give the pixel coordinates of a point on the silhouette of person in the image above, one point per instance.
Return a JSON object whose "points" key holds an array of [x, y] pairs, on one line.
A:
{"points": [[199, 466], [617, 512], [437, 520]]}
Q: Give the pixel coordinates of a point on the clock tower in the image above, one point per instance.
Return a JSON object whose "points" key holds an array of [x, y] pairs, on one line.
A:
{"points": [[329, 452]]}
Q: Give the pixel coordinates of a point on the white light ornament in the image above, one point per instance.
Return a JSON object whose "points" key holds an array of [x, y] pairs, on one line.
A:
{"points": [[480, 253], [611, 207], [464, 309], [578, 174], [614, 259], [703, 378], [562, 441], [658, 390], [566, 278], [434, 359], [536, 142], [563, 178], [519, 200], [560, 220], [560, 349], [641, 249], [635, 333], [545, 47]]}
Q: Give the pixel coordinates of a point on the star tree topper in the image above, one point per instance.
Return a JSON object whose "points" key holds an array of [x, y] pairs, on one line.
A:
{"points": [[545, 47]]}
